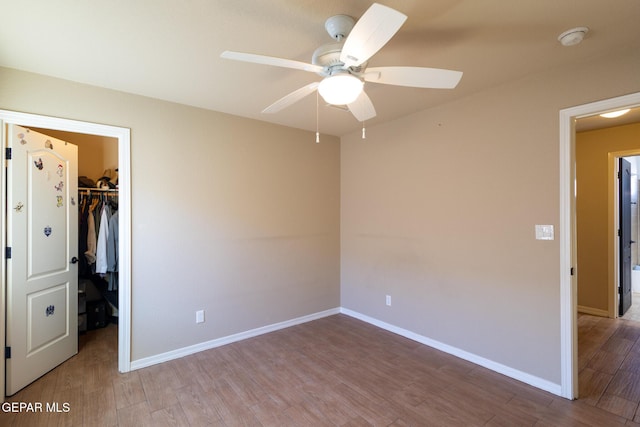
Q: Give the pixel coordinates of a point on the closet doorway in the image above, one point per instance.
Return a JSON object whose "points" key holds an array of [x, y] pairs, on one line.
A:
{"points": [[118, 138], [98, 201]]}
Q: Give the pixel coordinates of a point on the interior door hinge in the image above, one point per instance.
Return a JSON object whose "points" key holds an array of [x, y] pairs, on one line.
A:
{"points": [[7, 153], [572, 271], [7, 252], [619, 174], [7, 352]]}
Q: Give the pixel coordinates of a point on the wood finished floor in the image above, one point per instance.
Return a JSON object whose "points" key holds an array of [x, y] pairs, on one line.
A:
{"points": [[634, 311], [609, 365], [336, 371]]}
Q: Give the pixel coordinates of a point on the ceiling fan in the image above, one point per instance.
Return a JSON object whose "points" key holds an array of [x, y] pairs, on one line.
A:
{"points": [[343, 64]]}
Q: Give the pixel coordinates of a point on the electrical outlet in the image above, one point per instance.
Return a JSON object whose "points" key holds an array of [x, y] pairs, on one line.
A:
{"points": [[200, 316], [388, 299]]}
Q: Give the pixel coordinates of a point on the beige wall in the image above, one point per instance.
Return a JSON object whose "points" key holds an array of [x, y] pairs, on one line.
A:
{"points": [[234, 216], [592, 206], [438, 210]]}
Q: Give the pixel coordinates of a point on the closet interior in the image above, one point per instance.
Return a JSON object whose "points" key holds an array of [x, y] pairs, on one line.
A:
{"points": [[97, 227], [98, 260]]}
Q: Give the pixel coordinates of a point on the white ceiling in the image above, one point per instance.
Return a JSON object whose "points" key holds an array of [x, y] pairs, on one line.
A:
{"points": [[169, 49]]}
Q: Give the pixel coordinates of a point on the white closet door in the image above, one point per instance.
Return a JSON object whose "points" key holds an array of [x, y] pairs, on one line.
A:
{"points": [[42, 271]]}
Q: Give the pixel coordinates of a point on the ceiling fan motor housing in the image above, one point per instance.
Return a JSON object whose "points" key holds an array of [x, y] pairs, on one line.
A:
{"points": [[327, 55], [339, 26]]}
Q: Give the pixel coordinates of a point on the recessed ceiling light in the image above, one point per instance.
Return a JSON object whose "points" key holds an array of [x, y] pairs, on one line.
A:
{"points": [[572, 36], [614, 114]]}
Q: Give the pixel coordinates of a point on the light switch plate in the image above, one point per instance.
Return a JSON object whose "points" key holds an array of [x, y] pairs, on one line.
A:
{"points": [[200, 316], [544, 232]]}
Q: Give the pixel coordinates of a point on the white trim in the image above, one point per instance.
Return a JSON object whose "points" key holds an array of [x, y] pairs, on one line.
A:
{"points": [[185, 351], [613, 240], [593, 311], [124, 195], [454, 351], [567, 235], [568, 282]]}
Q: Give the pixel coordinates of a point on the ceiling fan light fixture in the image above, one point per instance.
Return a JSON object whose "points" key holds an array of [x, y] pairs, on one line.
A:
{"points": [[340, 89]]}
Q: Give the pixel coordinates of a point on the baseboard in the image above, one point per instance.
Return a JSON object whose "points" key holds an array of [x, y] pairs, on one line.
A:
{"points": [[489, 364], [481, 361], [593, 311], [185, 351]]}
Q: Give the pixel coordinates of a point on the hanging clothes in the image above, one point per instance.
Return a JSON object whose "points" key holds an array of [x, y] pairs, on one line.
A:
{"points": [[112, 252], [103, 235], [95, 211], [98, 237], [91, 237]]}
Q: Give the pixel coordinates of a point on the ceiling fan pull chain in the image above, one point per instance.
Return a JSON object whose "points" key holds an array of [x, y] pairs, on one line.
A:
{"points": [[317, 121]]}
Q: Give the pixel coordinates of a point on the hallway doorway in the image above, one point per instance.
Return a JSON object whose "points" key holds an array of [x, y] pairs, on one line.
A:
{"points": [[569, 268]]}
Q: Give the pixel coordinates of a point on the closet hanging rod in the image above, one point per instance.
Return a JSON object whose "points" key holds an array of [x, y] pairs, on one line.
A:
{"points": [[103, 190], [97, 189]]}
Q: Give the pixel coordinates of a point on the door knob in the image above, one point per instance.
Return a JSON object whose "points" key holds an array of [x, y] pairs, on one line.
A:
{"points": [[74, 260]]}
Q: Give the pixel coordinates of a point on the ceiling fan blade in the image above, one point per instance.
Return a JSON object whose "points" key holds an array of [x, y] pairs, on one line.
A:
{"points": [[362, 108], [270, 60], [292, 98], [372, 31], [435, 78]]}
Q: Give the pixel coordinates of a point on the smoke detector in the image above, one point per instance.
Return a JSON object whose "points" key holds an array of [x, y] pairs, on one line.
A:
{"points": [[573, 36]]}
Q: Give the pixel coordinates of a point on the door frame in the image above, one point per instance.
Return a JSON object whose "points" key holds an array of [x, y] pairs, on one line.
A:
{"points": [[567, 235], [123, 135]]}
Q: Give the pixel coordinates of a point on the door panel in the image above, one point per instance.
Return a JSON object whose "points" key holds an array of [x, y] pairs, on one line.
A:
{"points": [[625, 236], [47, 251], [42, 282], [42, 333]]}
